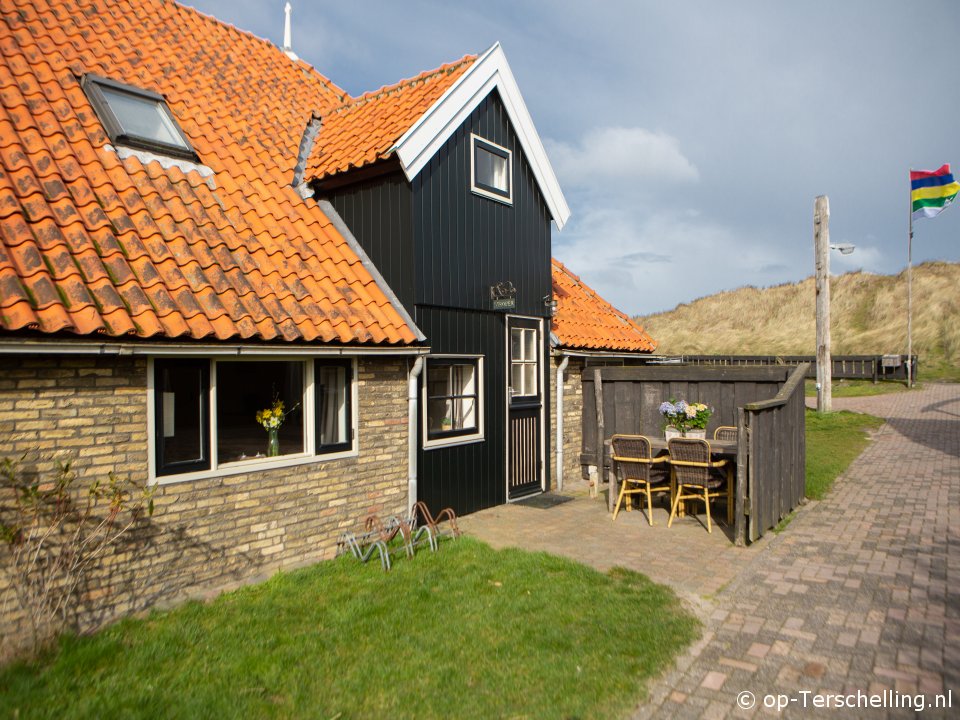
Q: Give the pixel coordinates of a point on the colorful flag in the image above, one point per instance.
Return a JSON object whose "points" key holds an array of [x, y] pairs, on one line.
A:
{"points": [[931, 192]]}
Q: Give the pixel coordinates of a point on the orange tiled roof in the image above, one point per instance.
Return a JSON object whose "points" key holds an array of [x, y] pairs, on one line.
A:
{"points": [[585, 321], [92, 243], [364, 130]]}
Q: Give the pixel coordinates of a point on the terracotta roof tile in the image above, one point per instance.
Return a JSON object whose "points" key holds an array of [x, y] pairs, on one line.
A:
{"points": [[364, 130], [585, 321], [94, 243]]}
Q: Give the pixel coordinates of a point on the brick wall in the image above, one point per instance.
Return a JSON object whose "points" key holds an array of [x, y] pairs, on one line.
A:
{"points": [[205, 535]]}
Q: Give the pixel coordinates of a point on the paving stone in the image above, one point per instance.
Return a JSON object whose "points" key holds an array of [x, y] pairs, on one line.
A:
{"points": [[861, 592]]}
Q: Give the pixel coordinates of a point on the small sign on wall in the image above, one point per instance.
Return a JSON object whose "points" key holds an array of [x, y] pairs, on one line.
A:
{"points": [[503, 295]]}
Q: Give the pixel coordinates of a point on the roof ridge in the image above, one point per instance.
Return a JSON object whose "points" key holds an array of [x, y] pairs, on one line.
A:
{"points": [[386, 90], [233, 28]]}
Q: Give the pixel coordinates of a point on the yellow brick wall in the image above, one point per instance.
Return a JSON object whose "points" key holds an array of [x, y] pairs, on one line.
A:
{"points": [[205, 535]]}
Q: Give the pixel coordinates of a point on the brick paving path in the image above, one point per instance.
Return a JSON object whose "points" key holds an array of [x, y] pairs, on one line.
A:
{"points": [[861, 593]]}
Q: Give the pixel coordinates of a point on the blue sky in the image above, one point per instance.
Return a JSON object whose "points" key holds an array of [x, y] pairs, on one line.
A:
{"points": [[690, 137]]}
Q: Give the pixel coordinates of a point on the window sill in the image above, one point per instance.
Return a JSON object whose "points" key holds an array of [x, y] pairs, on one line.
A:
{"points": [[506, 200], [451, 441], [252, 466]]}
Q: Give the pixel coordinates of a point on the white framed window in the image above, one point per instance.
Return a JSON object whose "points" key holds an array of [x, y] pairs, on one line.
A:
{"points": [[523, 362], [452, 400], [491, 169], [209, 416], [136, 117]]}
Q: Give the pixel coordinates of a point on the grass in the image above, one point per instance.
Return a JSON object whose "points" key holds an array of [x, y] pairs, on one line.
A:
{"points": [[834, 440], [858, 388], [467, 632]]}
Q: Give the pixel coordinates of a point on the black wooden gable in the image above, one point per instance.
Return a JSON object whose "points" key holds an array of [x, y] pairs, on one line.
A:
{"points": [[438, 243]]}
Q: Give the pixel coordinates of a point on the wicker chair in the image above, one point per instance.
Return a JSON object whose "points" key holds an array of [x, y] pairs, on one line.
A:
{"points": [[725, 432], [635, 466], [691, 464]]}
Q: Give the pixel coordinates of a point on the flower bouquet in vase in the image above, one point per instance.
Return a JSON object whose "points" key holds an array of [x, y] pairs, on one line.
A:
{"points": [[271, 419]]}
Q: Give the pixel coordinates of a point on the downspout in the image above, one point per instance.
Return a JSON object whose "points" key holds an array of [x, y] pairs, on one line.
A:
{"points": [[413, 391], [560, 370]]}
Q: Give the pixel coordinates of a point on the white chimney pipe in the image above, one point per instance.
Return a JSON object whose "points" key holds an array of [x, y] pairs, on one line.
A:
{"points": [[287, 34]]}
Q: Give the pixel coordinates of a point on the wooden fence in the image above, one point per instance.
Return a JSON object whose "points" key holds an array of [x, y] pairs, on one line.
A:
{"points": [[845, 367], [765, 403]]}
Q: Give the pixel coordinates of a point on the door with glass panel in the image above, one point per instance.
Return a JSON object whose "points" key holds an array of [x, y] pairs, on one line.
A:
{"points": [[525, 402]]}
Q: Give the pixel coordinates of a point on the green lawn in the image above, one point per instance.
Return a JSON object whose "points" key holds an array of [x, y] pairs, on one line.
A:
{"points": [[834, 440], [467, 632], [858, 388]]}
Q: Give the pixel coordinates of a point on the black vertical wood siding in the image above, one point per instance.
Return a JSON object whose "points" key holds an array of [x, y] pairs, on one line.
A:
{"points": [[379, 214], [440, 247], [472, 476], [464, 243]]}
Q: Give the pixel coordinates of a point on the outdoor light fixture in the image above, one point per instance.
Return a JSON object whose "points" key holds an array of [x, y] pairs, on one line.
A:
{"points": [[550, 304], [844, 248]]}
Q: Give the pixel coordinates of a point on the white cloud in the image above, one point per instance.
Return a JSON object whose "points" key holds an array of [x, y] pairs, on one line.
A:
{"points": [[644, 260], [621, 154]]}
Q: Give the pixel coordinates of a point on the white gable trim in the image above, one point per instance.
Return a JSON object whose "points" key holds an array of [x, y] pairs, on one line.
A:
{"points": [[422, 141]]}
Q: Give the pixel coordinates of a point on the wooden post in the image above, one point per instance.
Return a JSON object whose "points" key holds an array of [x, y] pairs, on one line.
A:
{"points": [[601, 452], [821, 242], [740, 503]]}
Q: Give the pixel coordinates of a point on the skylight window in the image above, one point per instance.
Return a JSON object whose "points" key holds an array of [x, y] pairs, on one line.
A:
{"points": [[136, 117]]}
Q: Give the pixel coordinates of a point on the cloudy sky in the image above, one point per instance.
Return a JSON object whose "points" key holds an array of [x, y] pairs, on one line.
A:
{"points": [[690, 137]]}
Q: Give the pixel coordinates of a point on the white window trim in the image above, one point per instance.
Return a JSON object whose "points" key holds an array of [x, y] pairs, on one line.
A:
{"points": [[478, 436], [477, 190], [526, 361], [253, 465]]}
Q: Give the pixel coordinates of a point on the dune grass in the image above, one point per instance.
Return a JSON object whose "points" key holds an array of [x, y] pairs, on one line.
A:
{"points": [[467, 632], [868, 316]]}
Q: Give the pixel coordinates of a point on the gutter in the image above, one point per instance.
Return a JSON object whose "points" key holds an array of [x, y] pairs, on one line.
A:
{"points": [[413, 388], [60, 347], [560, 370], [563, 352]]}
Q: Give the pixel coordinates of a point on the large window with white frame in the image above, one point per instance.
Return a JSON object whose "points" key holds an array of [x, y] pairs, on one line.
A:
{"points": [[491, 170], [225, 415], [453, 399]]}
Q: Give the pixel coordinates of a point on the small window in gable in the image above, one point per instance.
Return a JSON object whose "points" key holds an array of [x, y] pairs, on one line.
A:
{"points": [[137, 118], [491, 170]]}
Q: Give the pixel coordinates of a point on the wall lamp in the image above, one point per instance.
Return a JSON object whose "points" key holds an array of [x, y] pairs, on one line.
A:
{"points": [[550, 305]]}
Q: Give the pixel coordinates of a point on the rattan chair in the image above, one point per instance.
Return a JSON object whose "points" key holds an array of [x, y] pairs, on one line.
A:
{"points": [[635, 467], [692, 467], [725, 432]]}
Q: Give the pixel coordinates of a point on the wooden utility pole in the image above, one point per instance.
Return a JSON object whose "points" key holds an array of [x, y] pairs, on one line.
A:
{"points": [[821, 245]]}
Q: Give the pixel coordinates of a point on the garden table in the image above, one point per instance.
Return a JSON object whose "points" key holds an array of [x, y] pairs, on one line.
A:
{"points": [[726, 449]]}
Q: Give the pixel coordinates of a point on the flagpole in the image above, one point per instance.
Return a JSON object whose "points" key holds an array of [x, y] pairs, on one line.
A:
{"points": [[910, 298]]}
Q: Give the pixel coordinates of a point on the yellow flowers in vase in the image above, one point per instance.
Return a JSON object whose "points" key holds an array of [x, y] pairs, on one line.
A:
{"points": [[271, 419]]}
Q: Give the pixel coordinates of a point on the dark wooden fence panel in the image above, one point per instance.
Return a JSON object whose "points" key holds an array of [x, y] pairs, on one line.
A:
{"points": [[845, 367], [765, 403], [776, 455], [632, 397]]}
